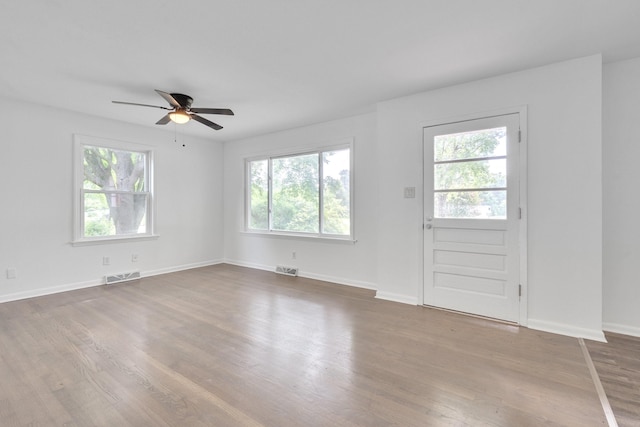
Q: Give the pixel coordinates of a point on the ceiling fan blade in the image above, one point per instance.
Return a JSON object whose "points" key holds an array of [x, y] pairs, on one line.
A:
{"points": [[140, 105], [223, 111], [163, 121], [205, 122], [170, 99]]}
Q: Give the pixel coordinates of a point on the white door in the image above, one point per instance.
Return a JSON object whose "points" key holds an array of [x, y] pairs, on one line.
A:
{"points": [[471, 216]]}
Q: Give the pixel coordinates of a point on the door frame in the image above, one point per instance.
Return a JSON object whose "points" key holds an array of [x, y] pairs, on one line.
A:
{"points": [[521, 110]]}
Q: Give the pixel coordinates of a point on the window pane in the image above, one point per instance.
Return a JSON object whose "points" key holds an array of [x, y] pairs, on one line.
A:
{"points": [[97, 219], [470, 204], [259, 195], [127, 212], [469, 175], [112, 214], [109, 169], [470, 145], [336, 193], [295, 197]]}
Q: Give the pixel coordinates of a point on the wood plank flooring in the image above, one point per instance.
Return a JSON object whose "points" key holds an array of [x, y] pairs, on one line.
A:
{"points": [[230, 346], [618, 366]]}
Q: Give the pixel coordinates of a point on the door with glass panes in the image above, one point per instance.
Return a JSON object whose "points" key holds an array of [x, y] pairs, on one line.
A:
{"points": [[471, 216]]}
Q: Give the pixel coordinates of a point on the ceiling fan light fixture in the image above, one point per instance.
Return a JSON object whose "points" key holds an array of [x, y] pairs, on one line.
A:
{"points": [[179, 116]]}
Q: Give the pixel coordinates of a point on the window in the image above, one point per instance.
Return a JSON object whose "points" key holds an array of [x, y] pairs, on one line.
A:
{"points": [[113, 190], [306, 193]]}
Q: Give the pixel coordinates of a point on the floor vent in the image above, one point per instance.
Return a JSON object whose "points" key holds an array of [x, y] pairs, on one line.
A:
{"points": [[287, 271], [124, 277]]}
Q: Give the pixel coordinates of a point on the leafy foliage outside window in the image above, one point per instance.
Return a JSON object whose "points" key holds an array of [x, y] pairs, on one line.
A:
{"points": [[337, 195], [259, 195], [295, 193], [115, 196], [470, 174], [307, 193]]}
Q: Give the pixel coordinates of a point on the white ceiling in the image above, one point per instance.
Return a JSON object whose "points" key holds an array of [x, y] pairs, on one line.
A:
{"points": [[286, 63]]}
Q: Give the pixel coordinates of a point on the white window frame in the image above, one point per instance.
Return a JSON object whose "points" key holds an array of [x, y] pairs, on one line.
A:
{"points": [[82, 141], [340, 145]]}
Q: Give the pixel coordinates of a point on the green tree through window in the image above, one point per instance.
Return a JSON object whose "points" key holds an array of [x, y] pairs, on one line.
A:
{"points": [[307, 193], [115, 193]]}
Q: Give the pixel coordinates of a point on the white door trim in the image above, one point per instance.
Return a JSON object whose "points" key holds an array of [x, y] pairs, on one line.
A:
{"points": [[523, 172]]}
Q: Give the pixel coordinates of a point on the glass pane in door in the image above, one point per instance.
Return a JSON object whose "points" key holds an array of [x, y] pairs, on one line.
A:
{"points": [[470, 204], [471, 145], [470, 174]]}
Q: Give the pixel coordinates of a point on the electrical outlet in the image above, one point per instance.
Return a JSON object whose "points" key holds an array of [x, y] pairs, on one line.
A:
{"points": [[106, 260], [134, 258]]}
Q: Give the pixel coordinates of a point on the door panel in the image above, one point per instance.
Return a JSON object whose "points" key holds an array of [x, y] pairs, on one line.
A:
{"points": [[471, 208], [470, 259], [473, 284]]}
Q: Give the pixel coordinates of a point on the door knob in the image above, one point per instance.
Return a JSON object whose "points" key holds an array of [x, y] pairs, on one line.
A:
{"points": [[428, 226]]}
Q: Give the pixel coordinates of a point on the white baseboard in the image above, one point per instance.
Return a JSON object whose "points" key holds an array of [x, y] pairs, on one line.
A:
{"points": [[314, 276], [250, 265], [339, 281], [97, 282], [621, 329], [180, 268], [50, 290], [390, 296], [568, 330]]}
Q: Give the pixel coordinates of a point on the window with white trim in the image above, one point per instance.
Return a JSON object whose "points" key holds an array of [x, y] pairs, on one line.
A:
{"points": [[307, 193], [113, 190]]}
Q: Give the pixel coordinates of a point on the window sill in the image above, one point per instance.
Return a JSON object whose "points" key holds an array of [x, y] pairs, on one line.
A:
{"points": [[310, 237], [115, 239]]}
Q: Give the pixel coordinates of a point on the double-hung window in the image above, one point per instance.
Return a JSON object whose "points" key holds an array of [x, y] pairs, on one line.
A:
{"points": [[113, 190], [308, 193]]}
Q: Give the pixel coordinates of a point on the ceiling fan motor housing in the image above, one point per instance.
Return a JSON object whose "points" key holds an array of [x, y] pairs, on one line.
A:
{"points": [[184, 100]]}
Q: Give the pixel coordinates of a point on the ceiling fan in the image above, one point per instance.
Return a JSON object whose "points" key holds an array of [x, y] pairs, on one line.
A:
{"points": [[181, 111]]}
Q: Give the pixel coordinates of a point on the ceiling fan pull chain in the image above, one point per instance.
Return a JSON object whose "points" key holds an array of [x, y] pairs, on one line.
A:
{"points": [[175, 134]]}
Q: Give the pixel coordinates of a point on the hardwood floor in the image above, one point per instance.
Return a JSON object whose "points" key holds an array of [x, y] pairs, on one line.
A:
{"points": [[229, 346], [618, 366]]}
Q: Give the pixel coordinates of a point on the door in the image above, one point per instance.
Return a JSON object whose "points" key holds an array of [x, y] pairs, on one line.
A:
{"points": [[472, 216]]}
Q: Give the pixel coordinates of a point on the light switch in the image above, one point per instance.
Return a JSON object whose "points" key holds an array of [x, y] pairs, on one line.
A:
{"points": [[409, 192]]}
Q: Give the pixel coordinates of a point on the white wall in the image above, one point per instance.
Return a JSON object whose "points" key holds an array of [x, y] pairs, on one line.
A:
{"points": [[564, 193], [621, 154], [36, 216], [336, 261], [565, 219], [564, 216]]}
